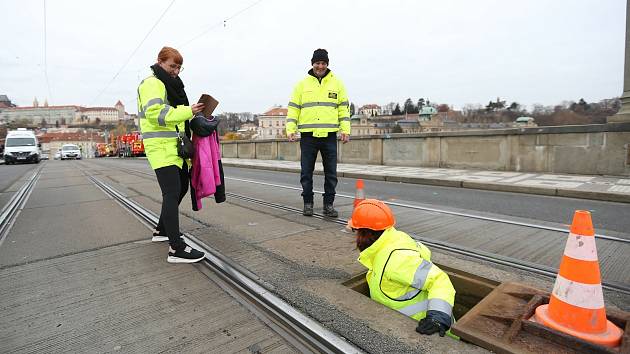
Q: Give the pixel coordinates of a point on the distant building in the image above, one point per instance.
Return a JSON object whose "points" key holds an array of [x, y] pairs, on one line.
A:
{"points": [[51, 115], [65, 115], [248, 127], [86, 140], [426, 113], [525, 122], [443, 121], [409, 126], [271, 124], [363, 125], [5, 102], [370, 110]]}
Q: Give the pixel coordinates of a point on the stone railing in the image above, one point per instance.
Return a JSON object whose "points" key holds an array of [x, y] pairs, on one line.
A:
{"points": [[599, 149]]}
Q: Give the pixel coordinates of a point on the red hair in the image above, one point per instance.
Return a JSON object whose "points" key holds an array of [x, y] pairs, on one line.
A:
{"points": [[168, 52]]}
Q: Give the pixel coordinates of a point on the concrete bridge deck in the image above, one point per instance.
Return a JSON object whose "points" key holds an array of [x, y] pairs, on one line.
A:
{"points": [[78, 275]]}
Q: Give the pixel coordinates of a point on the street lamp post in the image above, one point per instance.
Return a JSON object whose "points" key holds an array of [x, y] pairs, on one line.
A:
{"points": [[623, 116]]}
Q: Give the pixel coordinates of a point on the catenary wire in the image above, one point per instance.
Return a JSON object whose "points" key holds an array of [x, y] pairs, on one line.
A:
{"points": [[133, 53], [218, 24]]}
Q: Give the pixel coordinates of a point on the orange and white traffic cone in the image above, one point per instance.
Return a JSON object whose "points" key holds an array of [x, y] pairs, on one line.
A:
{"points": [[576, 305], [359, 194]]}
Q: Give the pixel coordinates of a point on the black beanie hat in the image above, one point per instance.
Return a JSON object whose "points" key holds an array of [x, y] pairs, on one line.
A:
{"points": [[320, 55]]}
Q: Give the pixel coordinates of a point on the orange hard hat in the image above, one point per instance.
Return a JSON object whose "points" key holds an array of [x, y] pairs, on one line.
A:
{"points": [[372, 214]]}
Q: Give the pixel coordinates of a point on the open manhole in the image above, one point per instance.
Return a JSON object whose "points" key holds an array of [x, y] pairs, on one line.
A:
{"points": [[470, 288]]}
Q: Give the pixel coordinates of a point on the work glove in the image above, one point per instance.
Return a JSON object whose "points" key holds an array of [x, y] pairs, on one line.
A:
{"points": [[202, 126], [434, 322]]}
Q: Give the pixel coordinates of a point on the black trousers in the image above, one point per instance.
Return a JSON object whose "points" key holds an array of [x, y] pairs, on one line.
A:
{"points": [[309, 147], [174, 185]]}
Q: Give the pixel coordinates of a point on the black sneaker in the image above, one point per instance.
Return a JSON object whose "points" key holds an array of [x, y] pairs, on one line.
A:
{"points": [[330, 211], [185, 255], [308, 209]]}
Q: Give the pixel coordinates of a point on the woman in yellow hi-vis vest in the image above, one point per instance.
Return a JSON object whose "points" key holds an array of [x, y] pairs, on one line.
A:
{"points": [[400, 273], [163, 109]]}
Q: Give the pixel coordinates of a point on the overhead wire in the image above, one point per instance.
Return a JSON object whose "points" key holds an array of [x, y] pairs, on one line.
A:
{"points": [[222, 22], [133, 53], [208, 29]]}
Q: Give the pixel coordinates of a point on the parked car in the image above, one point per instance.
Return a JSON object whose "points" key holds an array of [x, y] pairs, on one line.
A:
{"points": [[21, 145], [70, 151], [44, 156], [58, 155]]}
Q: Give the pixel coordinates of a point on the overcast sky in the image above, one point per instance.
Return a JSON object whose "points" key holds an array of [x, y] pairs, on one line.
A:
{"points": [[455, 52]]}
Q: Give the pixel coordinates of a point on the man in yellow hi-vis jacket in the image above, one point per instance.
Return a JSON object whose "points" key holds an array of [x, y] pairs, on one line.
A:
{"points": [[318, 109], [400, 273]]}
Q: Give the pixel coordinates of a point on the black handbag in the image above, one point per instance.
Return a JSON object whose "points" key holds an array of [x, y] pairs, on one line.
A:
{"points": [[185, 148]]}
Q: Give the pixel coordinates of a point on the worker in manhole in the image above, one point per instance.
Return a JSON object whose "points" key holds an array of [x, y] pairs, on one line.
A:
{"points": [[400, 273]]}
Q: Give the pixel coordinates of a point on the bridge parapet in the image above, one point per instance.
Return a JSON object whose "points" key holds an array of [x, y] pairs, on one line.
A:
{"points": [[597, 149]]}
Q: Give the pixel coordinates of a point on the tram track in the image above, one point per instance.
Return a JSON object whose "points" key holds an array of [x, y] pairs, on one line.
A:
{"points": [[448, 212], [448, 247], [12, 209], [427, 209], [546, 271], [303, 333]]}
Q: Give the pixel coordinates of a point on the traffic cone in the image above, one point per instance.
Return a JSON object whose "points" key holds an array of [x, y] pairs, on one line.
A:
{"points": [[359, 195], [576, 305]]}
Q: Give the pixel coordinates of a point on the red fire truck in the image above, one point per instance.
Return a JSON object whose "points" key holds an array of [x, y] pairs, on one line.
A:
{"points": [[130, 145]]}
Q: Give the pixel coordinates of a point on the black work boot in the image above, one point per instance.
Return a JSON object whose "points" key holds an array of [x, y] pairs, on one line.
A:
{"points": [[308, 209], [330, 211]]}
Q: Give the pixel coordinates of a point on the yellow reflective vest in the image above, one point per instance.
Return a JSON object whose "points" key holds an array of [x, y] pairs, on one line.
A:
{"points": [[319, 108], [401, 276], [157, 120]]}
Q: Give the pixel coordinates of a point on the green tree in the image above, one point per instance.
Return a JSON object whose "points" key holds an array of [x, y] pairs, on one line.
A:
{"points": [[420, 104], [352, 109], [397, 111], [410, 107], [514, 106]]}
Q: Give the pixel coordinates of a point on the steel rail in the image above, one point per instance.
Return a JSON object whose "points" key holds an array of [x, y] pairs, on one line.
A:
{"points": [[445, 246], [12, 209], [305, 333], [434, 210], [450, 247], [449, 212]]}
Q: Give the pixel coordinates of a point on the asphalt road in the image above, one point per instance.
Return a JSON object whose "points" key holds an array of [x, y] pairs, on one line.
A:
{"points": [[607, 216], [9, 174]]}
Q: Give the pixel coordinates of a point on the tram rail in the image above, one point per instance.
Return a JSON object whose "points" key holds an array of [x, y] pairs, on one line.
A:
{"points": [[12, 209], [303, 333], [549, 272]]}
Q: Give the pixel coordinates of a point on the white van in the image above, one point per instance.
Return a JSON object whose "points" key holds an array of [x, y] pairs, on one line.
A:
{"points": [[21, 145]]}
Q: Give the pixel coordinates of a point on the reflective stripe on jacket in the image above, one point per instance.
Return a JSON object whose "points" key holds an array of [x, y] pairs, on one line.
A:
{"points": [[157, 120], [319, 107], [402, 277]]}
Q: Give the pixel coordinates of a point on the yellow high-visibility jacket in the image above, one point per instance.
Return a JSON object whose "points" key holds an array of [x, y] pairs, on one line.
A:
{"points": [[317, 107], [157, 123], [401, 276]]}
